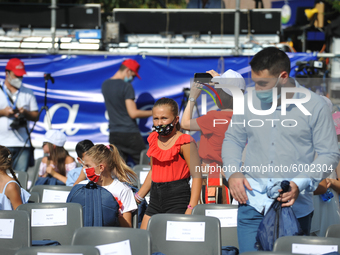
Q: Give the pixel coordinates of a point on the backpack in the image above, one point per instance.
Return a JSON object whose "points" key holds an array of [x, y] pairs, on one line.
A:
{"points": [[100, 208], [141, 207], [229, 250], [279, 221], [49, 180]]}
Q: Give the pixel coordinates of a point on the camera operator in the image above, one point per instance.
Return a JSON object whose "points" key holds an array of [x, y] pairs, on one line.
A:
{"points": [[17, 105]]}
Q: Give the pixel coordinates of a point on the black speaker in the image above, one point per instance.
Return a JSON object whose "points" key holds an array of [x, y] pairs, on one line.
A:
{"points": [[179, 22], [265, 22], [26, 15]]}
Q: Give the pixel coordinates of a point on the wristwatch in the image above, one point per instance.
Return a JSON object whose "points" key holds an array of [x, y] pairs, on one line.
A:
{"points": [[192, 99]]}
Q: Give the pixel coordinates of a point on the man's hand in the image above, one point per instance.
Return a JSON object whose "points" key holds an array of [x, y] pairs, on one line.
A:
{"points": [[237, 182], [329, 182], [289, 198], [8, 112], [22, 111]]}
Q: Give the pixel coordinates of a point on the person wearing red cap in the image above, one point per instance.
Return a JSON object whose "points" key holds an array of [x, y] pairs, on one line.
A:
{"points": [[16, 103], [119, 97]]}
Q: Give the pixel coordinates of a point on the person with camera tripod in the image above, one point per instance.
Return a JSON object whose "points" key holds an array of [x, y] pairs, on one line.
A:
{"points": [[17, 105]]}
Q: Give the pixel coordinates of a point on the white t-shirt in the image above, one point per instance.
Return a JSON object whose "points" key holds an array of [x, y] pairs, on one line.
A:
{"points": [[123, 193], [27, 100]]}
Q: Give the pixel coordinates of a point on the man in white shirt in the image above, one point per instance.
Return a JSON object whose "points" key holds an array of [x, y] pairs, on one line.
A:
{"points": [[17, 105]]}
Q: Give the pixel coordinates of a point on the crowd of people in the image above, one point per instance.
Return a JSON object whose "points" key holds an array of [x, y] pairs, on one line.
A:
{"points": [[296, 130]]}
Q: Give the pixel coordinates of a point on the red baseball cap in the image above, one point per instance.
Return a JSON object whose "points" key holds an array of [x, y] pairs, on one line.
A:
{"points": [[132, 65], [16, 66]]}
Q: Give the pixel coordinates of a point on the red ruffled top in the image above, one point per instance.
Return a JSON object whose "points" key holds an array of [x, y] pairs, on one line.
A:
{"points": [[168, 165]]}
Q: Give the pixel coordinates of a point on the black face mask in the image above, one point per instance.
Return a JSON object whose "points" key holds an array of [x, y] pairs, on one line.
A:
{"points": [[163, 130]]}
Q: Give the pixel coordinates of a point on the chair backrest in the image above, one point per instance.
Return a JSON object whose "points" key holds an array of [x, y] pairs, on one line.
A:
{"points": [[22, 178], [266, 253], [60, 249], [227, 214], [333, 231], [140, 241], [307, 244], [144, 159], [33, 172], [185, 234], [34, 198], [52, 193], [54, 221], [141, 171], [15, 231]]}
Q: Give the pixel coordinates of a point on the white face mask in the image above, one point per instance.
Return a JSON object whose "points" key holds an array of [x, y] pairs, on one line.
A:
{"points": [[16, 82]]}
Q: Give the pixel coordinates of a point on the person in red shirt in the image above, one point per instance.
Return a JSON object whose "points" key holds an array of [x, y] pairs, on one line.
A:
{"points": [[213, 125], [174, 158]]}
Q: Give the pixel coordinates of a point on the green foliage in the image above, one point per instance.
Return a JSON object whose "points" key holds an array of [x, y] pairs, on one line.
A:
{"points": [[335, 4]]}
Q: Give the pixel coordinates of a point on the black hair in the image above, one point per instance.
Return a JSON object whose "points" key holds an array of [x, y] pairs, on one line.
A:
{"points": [[83, 146], [272, 59], [6, 162], [122, 67], [173, 105]]}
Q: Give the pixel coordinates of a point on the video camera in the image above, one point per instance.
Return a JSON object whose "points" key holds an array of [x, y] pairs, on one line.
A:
{"points": [[310, 73], [19, 122]]}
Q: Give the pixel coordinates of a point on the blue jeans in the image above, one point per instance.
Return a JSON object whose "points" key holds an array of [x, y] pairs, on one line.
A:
{"points": [[20, 163], [248, 221]]}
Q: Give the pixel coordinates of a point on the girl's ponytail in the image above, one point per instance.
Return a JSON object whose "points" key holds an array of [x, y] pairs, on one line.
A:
{"points": [[121, 170]]}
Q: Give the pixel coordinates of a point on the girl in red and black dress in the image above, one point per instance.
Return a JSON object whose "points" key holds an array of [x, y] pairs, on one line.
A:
{"points": [[174, 158]]}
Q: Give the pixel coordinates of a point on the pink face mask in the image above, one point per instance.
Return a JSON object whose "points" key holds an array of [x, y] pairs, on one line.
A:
{"points": [[91, 174]]}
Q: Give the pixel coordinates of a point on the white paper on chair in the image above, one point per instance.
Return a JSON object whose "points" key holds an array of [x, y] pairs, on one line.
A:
{"points": [[313, 248], [234, 202], [185, 231], [227, 217], [49, 217], [6, 228], [119, 248], [54, 196], [48, 253], [142, 176]]}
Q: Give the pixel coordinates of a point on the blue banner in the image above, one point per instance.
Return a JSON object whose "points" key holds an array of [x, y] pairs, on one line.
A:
{"points": [[75, 101]]}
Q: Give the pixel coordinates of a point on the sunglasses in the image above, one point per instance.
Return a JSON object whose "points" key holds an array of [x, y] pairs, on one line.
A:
{"points": [[81, 162]]}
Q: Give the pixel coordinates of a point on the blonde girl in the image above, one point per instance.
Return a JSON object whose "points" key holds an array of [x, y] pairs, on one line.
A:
{"points": [[104, 166]]}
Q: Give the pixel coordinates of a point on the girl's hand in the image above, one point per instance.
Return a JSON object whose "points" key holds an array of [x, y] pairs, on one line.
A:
{"points": [[188, 211], [50, 169], [195, 90]]}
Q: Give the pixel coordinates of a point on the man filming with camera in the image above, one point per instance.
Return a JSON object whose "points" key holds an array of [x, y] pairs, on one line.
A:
{"points": [[17, 105]]}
